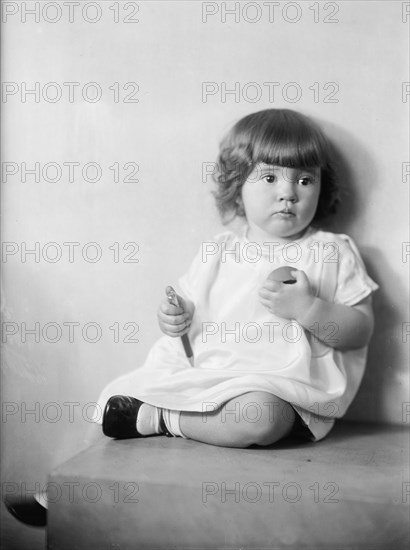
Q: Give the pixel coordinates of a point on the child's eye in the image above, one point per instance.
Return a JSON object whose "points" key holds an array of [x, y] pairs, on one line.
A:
{"points": [[305, 180], [269, 178]]}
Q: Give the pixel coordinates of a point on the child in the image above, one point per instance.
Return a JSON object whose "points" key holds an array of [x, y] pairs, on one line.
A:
{"points": [[270, 359]]}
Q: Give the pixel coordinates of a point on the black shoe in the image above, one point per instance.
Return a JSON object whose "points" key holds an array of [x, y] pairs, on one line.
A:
{"points": [[120, 417], [27, 510]]}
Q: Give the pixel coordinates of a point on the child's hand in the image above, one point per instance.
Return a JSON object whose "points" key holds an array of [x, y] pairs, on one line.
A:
{"points": [[289, 301], [173, 320]]}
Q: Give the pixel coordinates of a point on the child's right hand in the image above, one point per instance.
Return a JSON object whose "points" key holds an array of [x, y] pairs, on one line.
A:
{"points": [[175, 320]]}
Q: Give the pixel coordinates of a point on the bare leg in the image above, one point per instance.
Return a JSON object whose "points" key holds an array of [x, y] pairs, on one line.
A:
{"points": [[254, 418]]}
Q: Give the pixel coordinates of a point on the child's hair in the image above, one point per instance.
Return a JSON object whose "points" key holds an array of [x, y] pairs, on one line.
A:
{"points": [[274, 136]]}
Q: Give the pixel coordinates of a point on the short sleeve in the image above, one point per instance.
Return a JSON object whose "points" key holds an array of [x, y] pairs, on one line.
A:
{"points": [[188, 283], [353, 282], [204, 266]]}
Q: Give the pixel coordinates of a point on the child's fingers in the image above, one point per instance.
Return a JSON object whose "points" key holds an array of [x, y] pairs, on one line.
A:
{"points": [[301, 278], [173, 319], [177, 320], [266, 292], [169, 309], [177, 330], [274, 286]]}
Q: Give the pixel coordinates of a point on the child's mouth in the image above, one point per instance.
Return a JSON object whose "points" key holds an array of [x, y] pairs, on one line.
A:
{"points": [[285, 214]]}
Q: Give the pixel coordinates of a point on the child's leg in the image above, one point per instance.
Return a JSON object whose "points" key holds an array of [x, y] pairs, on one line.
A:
{"points": [[254, 418]]}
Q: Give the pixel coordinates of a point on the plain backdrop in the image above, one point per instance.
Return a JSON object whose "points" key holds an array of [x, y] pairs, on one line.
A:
{"points": [[347, 72]]}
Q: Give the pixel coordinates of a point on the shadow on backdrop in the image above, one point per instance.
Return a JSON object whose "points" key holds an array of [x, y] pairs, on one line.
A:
{"points": [[355, 196]]}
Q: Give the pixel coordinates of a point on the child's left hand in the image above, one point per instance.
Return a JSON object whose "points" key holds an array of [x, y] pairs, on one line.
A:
{"points": [[289, 301]]}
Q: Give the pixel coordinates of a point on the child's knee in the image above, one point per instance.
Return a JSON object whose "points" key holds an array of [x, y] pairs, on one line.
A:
{"points": [[268, 418]]}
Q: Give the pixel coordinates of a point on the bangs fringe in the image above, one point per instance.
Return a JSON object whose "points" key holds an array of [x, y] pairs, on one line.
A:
{"points": [[284, 138], [289, 154]]}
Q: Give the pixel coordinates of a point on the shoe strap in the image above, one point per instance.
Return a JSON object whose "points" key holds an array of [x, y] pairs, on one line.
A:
{"points": [[163, 426]]}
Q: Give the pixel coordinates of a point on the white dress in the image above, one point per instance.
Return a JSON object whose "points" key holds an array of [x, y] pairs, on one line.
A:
{"points": [[239, 346]]}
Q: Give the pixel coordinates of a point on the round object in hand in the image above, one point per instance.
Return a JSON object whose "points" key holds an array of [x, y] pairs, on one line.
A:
{"points": [[283, 275]]}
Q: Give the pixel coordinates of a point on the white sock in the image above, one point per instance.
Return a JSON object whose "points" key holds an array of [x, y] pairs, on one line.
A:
{"points": [[171, 419], [148, 419]]}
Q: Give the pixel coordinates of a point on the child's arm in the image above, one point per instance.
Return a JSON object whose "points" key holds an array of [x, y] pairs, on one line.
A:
{"points": [[353, 325]]}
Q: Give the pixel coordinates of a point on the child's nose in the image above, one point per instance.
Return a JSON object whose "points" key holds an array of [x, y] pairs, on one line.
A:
{"points": [[287, 191]]}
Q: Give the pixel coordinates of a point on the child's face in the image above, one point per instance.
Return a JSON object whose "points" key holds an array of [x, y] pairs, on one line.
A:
{"points": [[280, 202]]}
